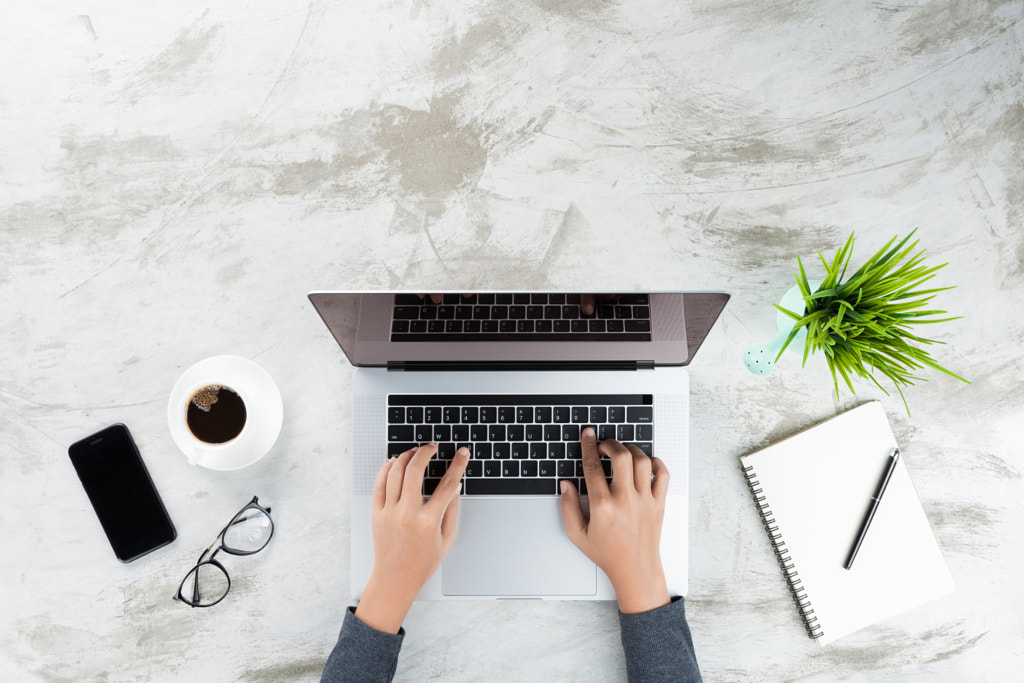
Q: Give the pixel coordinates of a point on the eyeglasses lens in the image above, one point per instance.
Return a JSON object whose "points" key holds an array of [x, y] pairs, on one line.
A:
{"points": [[249, 531], [205, 585]]}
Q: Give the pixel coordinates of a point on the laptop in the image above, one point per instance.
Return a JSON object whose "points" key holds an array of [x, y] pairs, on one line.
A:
{"points": [[515, 377]]}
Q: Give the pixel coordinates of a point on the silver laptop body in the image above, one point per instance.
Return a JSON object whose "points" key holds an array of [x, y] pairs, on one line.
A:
{"points": [[511, 540]]}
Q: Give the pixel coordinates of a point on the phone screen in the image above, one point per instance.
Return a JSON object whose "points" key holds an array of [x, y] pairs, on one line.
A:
{"points": [[121, 492]]}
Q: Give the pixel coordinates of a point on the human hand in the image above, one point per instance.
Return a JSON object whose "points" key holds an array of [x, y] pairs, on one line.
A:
{"points": [[411, 535], [623, 534]]}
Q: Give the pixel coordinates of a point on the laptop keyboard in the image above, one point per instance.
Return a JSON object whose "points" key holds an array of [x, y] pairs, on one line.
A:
{"points": [[520, 317], [520, 444]]}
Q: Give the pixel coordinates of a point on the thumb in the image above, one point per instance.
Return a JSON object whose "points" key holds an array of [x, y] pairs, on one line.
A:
{"points": [[572, 513]]}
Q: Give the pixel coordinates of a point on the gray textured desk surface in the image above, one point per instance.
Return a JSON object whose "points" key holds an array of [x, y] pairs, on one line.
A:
{"points": [[175, 178]]}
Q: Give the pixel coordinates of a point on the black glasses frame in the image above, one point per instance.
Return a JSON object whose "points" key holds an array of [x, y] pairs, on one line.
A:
{"points": [[218, 545]]}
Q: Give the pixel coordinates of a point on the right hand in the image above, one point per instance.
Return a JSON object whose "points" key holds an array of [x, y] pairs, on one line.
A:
{"points": [[623, 534]]}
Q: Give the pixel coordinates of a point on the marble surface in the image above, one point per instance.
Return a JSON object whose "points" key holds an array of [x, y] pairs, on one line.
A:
{"points": [[175, 176]]}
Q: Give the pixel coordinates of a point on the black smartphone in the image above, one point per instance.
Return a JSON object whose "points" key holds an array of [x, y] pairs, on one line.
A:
{"points": [[121, 492]]}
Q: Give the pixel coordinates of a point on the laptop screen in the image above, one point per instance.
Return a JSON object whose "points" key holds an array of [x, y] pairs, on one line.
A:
{"points": [[378, 329]]}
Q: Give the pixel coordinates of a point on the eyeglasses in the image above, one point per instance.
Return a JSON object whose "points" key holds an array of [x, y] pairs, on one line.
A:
{"points": [[247, 533]]}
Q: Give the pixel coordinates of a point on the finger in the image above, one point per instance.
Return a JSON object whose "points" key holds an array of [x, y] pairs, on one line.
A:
{"points": [[641, 469], [437, 298], [661, 479], [592, 470], [572, 513], [380, 485], [450, 523], [396, 475], [449, 486], [622, 463], [587, 304], [412, 483]]}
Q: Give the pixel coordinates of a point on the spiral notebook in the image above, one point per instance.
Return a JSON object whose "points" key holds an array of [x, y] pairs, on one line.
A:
{"points": [[812, 491]]}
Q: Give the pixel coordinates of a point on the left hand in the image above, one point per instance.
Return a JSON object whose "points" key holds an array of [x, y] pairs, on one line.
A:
{"points": [[411, 535]]}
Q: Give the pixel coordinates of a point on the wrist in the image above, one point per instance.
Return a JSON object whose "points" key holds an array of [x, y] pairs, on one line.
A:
{"points": [[642, 594], [383, 607]]}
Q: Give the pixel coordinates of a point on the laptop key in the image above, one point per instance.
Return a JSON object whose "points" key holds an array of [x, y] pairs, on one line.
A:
{"points": [[460, 432], [501, 487], [470, 415], [640, 414], [616, 414], [580, 414], [638, 325], [528, 468], [510, 468], [560, 414], [520, 451], [566, 468], [556, 450], [474, 468], [574, 450], [516, 432], [429, 486], [502, 451], [570, 433], [482, 451], [418, 326], [406, 313], [646, 446], [489, 416], [436, 468], [496, 432], [424, 434], [538, 450], [489, 326], [445, 450], [413, 415], [605, 432], [450, 414], [400, 327], [561, 326], [478, 433], [442, 433], [400, 433], [396, 415], [543, 414], [552, 432], [534, 432], [506, 414], [598, 414], [546, 468], [491, 469], [645, 432], [396, 448], [624, 433]]}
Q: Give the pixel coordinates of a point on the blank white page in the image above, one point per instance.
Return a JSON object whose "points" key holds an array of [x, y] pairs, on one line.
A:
{"points": [[818, 485]]}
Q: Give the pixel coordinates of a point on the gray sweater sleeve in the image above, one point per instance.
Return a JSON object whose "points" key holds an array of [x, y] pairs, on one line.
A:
{"points": [[362, 653], [658, 646]]}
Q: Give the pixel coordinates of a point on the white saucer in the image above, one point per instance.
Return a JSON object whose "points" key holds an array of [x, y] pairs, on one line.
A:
{"points": [[264, 408]]}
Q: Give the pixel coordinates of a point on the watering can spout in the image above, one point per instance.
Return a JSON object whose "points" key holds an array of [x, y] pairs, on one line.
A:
{"points": [[760, 358]]}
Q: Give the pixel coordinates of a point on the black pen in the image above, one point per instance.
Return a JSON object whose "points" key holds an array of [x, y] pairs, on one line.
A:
{"points": [[893, 459]]}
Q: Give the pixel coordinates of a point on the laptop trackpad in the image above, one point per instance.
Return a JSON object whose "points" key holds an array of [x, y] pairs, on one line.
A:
{"points": [[515, 547]]}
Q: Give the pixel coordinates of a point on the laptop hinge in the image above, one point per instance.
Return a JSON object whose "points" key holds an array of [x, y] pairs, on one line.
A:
{"points": [[520, 366]]}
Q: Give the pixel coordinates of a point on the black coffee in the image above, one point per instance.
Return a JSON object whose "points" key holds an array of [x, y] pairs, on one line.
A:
{"points": [[216, 414]]}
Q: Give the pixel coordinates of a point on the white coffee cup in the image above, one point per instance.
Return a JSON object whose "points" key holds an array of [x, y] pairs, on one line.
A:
{"points": [[263, 407]]}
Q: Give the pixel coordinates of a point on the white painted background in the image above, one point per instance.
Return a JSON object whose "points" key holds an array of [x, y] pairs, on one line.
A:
{"points": [[174, 177]]}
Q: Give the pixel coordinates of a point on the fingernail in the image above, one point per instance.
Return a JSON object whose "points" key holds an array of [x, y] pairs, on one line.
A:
{"points": [[563, 486], [588, 432]]}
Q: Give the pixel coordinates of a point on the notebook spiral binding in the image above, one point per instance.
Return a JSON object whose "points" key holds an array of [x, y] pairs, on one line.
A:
{"points": [[814, 629]]}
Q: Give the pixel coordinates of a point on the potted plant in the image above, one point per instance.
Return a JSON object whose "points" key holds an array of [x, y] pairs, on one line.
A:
{"points": [[863, 324]]}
